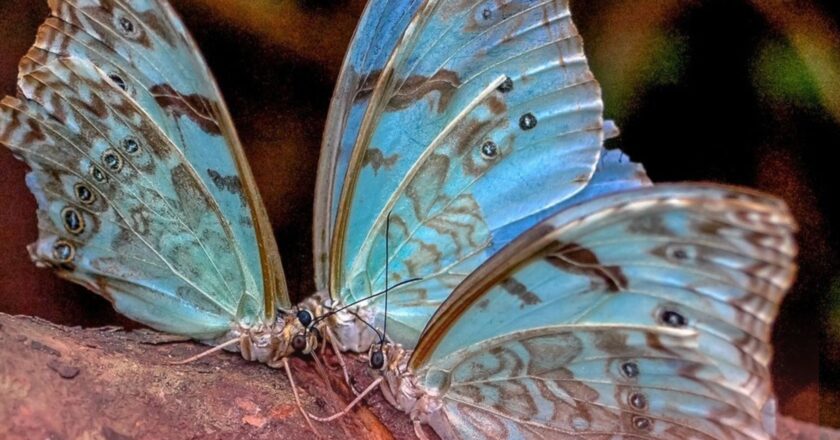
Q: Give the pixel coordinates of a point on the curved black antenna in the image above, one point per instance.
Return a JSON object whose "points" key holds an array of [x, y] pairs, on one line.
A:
{"points": [[380, 335], [387, 274], [367, 298]]}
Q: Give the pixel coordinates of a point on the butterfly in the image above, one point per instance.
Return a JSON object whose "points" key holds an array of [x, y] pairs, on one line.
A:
{"points": [[634, 269], [144, 194], [642, 314], [455, 125]]}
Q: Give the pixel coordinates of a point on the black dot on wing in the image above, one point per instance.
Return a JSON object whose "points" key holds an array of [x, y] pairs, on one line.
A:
{"points": [[642, 423], [130, 145], [527, 121], [630, 369], [489, 149], [63, 251], [118, 81], [97, 174], [84, 194], [112, 160], [126, 25], [673, 318], [638, 401], [73, 221], [506, 85]]}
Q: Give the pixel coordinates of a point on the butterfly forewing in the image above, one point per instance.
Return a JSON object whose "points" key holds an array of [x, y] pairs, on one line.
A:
{"points": [[645, 313], [119, 92], [378, 32], [484, 115]]}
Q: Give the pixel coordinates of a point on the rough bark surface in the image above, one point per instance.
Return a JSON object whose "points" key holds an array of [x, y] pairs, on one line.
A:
{"points": [[70, 383]]}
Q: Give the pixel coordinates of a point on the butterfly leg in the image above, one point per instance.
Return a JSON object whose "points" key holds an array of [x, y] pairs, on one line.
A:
{"points": [[341, 362], [350, 406], [419, 432], [206, 353], [322, 371], [297, 398]]}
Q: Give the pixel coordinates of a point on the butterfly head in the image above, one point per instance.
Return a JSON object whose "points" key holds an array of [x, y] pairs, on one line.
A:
{"points": [[377, 359], [387, 357], [302, 331]]}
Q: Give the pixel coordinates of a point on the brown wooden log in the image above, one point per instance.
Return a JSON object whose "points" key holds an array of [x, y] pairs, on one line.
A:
{"points": [[108, 384]]}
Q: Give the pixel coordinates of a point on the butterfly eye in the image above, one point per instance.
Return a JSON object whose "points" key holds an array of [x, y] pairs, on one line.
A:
{"points": [[527, 121], [73, 221], [305, 318], [506, 86], [641, 423], [673, 319], [377, 360], [489, 150], [299, 342], [130, 145], [63, 251], [97, 174], [638, 401], [118, 81], [112, 160], [84, 194], [630, 369]]}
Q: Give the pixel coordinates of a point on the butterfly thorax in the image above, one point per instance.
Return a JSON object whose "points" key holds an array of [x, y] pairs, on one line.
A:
{"points": [[403, 388], [348, 328], [266, 343]]}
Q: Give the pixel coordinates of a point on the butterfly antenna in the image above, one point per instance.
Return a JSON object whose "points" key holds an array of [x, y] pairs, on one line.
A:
{"points": [[206, 353], [367, 298], [387, 275]]}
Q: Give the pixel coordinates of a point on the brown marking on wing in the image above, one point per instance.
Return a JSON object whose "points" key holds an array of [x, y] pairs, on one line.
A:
{"points": [[376, 159], [160, 27], [519, 290], [195, 107], [649, 225], [102, 13], [428, 180], [577, 259], [428, 253], [415, 87], [231, 184]]}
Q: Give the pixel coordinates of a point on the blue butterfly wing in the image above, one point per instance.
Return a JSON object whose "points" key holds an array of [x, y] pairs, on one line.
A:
{"points": [[119, 87], [644, 314], [484, 115], [615, 172], [377, 34]]}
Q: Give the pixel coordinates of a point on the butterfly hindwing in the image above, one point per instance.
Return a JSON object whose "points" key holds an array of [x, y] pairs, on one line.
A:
{"points": [[645, 314], [485, 114]]}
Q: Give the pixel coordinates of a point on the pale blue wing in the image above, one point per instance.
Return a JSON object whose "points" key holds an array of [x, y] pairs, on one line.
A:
{"points": [[644, 314], [615, 172], [379, 30], [119, 87], [485, 114]]}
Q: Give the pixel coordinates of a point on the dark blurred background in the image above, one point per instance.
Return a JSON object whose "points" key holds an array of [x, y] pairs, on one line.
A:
{"points": [[738, 91]]}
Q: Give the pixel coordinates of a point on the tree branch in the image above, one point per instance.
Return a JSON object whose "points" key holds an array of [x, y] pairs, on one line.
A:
{"points": [[71, 383]]}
